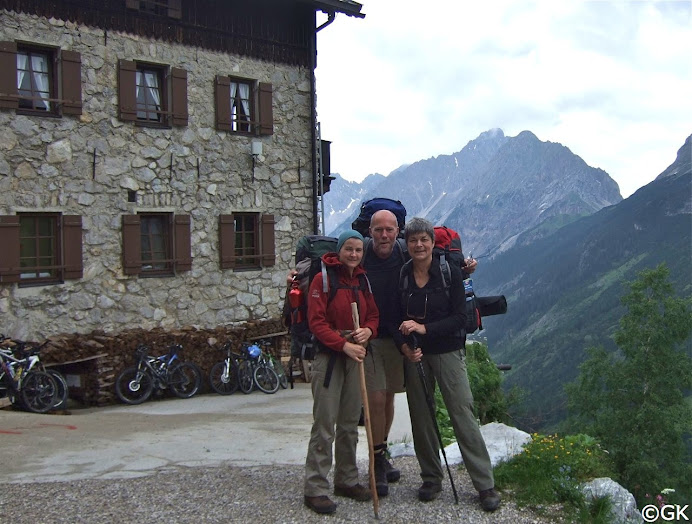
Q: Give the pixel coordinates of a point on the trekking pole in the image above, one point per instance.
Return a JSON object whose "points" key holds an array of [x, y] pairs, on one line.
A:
{"points": [[366, 412], [431, 405]]}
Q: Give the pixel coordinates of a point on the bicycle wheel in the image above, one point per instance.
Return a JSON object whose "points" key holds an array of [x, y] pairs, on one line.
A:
{"points": [[184, 379], [133, 386], [62, 391], [38, 391], [266, 378], [246, 380], [224, 377], [281, 373]]}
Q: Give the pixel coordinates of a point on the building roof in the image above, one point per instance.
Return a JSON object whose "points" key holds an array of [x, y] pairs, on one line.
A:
{"points": [[347, 7]]}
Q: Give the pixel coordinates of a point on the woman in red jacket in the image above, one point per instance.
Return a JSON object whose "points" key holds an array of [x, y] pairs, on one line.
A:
{"points": [[335, 375]]}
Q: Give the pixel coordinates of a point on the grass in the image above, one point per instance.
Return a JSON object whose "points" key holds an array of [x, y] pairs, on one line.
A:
{"points": [[550, 471]]}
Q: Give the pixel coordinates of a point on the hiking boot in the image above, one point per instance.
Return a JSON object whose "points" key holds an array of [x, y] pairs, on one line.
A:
{"points": [[393, 474], [429, 491], [381, 474], [322, 504], [355, 492], [490, 499]]}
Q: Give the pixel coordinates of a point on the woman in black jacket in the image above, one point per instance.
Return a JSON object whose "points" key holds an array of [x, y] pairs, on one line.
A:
{"points": [[434, 317]]}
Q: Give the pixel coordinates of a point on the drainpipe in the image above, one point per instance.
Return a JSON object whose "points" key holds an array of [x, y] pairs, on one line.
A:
{"points": [[313, 119]]}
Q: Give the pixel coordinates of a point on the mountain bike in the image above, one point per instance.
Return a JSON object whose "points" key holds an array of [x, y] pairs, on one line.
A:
{"points": [[136, 384], [26, 387], [223, 376], [26, 350], [255, 370], [275, 364]]}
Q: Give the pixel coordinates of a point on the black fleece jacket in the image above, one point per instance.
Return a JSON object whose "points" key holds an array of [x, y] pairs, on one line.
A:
{"points": [[444, 317]]}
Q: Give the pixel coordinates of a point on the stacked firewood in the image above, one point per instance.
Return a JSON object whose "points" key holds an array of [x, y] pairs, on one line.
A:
{"points": [[99, 357]]}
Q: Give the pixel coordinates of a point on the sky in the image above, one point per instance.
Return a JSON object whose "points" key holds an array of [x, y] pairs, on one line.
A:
{"points": [[610, 80]]}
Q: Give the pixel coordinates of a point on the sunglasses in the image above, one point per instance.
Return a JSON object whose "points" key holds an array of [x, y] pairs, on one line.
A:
{"points": [[418, 306]]}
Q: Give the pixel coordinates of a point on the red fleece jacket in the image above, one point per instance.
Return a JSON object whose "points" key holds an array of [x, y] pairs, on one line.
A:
{"points": [[326, 322]]}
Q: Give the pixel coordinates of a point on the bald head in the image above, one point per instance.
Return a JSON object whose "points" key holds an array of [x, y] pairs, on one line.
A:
{"points": [[384, 229]]}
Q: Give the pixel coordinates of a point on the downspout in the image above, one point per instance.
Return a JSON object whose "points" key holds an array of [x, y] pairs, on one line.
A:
{"points": [[313, 118]]}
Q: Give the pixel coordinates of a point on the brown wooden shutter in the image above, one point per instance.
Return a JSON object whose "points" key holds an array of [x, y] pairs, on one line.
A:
{"points": [[132, 245], [8, 78], [9, 253], [127, 94], [227, 241], [71, 72], [179, 102], [183, 247], [268, 248], [223, 103], [175, 9], [132, 4], [72, 247], [266, 114]]}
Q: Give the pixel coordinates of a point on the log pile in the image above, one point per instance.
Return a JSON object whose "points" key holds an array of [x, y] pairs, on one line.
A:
{"points": [[99, 357]]}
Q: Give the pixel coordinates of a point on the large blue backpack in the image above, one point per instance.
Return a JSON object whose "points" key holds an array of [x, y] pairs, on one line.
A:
{"points": [[367, 208]]}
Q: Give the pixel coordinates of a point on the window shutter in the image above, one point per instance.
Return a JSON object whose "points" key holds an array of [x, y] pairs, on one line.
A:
{"points": [[132, 4], [227, 241], [71, 72], [132, 245], [268, 249], [175, 9], [127, 97], [9, 254], [266, 114], [179, 90], [223, 103], [72, 247], [183, 250], [8, 78]]}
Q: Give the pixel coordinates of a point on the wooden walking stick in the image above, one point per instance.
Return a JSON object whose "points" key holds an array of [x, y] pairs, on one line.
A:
{"points": [[366, 412]]}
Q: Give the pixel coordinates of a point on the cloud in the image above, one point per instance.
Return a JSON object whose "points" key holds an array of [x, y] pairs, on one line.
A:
{"points": [[608, 79]]}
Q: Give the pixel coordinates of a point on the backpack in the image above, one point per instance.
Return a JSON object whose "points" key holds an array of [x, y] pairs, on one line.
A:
{"points": [[367, 208], [311, 248]]}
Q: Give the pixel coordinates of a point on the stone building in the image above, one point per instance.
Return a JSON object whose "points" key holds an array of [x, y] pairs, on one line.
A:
{"points": [[158, 160]]}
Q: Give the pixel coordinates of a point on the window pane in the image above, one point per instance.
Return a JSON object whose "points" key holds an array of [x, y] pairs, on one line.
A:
{"points": [[38, 253], [34, 79], [156, 242], [148, 90]]}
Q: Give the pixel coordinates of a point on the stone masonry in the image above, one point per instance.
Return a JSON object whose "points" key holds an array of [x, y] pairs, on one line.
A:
{"points": [[86, 165]]}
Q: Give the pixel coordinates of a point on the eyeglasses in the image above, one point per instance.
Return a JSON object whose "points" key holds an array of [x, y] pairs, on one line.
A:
{"points": [[418, 305]]}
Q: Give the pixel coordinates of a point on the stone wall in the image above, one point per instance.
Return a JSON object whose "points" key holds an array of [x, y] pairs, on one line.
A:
{"points": [[86, 165]]}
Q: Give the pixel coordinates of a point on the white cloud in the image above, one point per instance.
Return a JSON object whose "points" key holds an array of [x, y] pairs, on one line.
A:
{"points": [[611, 80]]}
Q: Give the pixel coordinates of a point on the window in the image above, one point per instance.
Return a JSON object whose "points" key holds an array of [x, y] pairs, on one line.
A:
{"points": [[40, 248], [148, 91], [156, 244], [246, 241], [170, 8], [243, 106], [152, 94], [34, 80], [40, 80]]}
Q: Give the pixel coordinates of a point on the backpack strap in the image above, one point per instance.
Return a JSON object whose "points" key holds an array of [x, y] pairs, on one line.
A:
{"points": [[446, 272]]}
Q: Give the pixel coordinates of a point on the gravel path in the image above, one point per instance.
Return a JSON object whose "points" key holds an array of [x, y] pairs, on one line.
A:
{"points": [[260, 494]]}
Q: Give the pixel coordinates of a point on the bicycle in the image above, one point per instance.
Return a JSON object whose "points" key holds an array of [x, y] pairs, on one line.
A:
{"points": [[275, 364], [26, 387], [255, 370], [136, 384], [223, 376], [26, 350]]}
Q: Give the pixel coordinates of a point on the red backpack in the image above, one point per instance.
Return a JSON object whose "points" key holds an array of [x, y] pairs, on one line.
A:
{"points": [[448, 249]]}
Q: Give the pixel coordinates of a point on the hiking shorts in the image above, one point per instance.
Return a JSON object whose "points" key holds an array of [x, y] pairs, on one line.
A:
{"points": [[384, 366]]}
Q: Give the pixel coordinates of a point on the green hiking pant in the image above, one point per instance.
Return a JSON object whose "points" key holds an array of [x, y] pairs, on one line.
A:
{"points": [[336, 406], [449, 371]]}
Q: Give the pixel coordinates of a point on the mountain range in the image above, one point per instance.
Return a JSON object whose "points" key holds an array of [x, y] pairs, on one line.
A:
{"points": [[556, 238]]}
